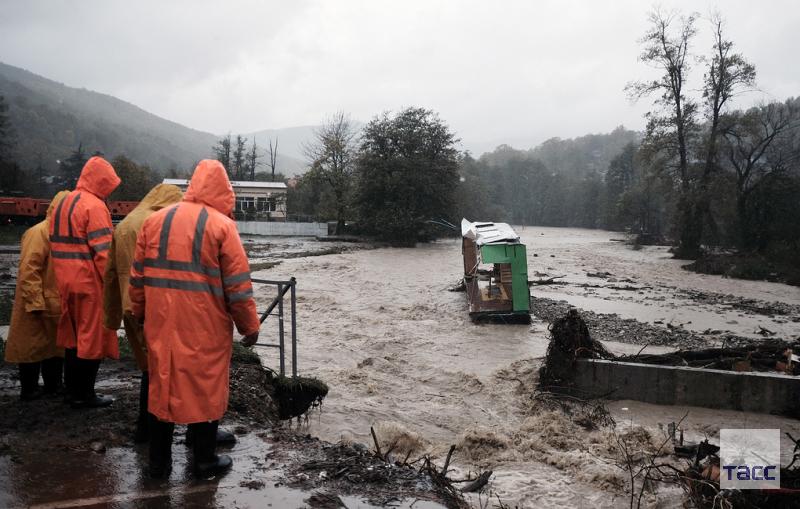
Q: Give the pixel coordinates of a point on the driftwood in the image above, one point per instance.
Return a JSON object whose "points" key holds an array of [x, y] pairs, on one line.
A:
{"points": [[478, 483], [768, 356]]}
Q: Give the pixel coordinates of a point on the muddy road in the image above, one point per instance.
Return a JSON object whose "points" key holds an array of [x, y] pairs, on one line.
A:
{"points": [[400, 353]]}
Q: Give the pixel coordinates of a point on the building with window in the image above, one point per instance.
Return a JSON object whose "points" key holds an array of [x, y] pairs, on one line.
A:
{"points": [[255, 201]]}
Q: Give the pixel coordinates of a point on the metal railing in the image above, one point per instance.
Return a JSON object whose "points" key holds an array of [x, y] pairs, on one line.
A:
{"points": [[283, 287]]}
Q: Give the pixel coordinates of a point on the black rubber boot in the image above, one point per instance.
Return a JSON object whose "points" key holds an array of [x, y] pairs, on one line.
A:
{"points": [[29, 381], [160, 461], [223, 437], [52, 374], [141, 434], [70, 373], [206, 462], [84, 395]]}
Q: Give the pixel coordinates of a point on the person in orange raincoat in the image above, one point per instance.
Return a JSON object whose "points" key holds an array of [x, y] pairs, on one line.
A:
{"points": [[80, 237], [116, 303], [31, 339], [190, 283]]}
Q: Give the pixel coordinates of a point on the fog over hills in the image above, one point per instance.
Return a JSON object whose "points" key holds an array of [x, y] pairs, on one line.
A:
{"points": [[51, 119]]}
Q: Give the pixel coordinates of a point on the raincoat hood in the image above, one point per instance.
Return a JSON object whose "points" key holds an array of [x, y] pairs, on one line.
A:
{"points": [[54, 203], [162, 195], [210, 186], [98, 177]]}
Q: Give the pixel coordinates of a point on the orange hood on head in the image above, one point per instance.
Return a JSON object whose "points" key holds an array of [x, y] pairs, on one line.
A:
{"points": [[210, 186], [98, 177]]}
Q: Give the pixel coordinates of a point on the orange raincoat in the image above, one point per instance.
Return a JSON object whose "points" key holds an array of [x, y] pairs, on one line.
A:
{"points": [[31, 336], [190, 281], [116, 303], [80, 236]]}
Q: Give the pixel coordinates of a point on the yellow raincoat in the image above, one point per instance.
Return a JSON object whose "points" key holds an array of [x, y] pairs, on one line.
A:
{"points": [[116, 302], [32, 336]]}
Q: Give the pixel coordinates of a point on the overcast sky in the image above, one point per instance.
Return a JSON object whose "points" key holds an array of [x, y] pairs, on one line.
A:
{"points": [[497, 71]]}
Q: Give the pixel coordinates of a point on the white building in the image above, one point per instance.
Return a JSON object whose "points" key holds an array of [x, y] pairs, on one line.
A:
{"points": [[254, 200]]}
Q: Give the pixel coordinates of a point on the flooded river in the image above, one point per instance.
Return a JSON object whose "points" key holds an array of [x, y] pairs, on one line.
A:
{"points": [[400, 353]]}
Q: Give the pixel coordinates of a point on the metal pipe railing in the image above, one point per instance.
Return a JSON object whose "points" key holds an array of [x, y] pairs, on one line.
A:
{"points": [[283, 287]]}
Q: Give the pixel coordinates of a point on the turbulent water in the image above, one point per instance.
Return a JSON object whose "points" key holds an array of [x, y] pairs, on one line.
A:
{"points": [[400, 353]]}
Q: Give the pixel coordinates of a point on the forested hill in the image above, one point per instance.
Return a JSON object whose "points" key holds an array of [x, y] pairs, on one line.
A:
{"points": [[50, 120], [575, 157]]}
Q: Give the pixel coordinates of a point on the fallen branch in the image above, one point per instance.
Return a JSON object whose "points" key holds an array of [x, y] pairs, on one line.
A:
{"points": [[478, 483]]}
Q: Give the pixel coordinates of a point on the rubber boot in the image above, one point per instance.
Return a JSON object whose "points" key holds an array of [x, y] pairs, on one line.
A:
{"points": [[70, 373], [160, 461], [223, 437], [84, 395], [29, 381], [52, 374], [141, 434], [206, 462]]}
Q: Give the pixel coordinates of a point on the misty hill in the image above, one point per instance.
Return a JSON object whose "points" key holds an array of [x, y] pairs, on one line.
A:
{"points": [[50, 120], [578, 157]]}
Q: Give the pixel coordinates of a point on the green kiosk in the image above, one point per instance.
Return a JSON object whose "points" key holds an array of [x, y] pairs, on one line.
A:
{"points": [[495, 272]]}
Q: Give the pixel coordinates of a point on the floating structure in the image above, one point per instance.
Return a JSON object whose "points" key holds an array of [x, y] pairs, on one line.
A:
{"points": [[495, 272]]}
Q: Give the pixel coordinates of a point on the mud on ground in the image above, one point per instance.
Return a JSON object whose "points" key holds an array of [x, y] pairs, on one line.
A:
{"points": [[48, 426]]}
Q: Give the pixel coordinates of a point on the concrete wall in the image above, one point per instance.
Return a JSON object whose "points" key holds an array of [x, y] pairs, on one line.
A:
{"points": [[282, 229], [671, 385]]}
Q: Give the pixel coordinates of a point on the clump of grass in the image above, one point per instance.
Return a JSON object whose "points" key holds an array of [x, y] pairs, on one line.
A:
{"points": [[297, 395], [243, 355]]}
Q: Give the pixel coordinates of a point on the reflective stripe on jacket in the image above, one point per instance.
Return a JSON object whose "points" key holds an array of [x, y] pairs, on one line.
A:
{"points": [[37, 307], [116, 303], [80, 237], [190, 281]]}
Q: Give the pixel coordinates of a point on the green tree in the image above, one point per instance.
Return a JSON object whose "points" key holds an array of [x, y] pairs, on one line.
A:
{"points": [[70, 168], [137, 180], [222, 151], [6, 133], [407, 174]]}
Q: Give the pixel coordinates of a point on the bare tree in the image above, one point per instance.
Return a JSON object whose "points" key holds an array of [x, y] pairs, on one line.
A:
{"points": [[252, 158], [273, 156], [667, 48], [332, 158], [761, 144], [727, 72], [222, 151], [238, 158]]}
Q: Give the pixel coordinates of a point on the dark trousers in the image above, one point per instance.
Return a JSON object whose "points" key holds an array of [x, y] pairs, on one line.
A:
{"points": [[50, 370], [80, 375], [143, 420], [204, 444]]}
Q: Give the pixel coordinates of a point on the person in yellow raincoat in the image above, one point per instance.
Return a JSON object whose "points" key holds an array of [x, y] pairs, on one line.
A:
{"points": [[37, 308], [116, 302]]}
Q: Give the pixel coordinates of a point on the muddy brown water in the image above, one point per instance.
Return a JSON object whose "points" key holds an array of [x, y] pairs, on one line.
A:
{"points": [[400, 353]]}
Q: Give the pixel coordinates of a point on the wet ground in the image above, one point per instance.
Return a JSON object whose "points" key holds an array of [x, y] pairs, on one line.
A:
{"points": [[400, 354]]}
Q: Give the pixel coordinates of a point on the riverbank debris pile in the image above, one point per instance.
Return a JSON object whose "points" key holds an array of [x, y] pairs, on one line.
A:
{"points": [[569, 340], [495, 273]]}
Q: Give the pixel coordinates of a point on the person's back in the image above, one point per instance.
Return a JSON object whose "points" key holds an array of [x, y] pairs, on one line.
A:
{"points": [[116, 302], [190, 282], [80, 236], [31, 340]]}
